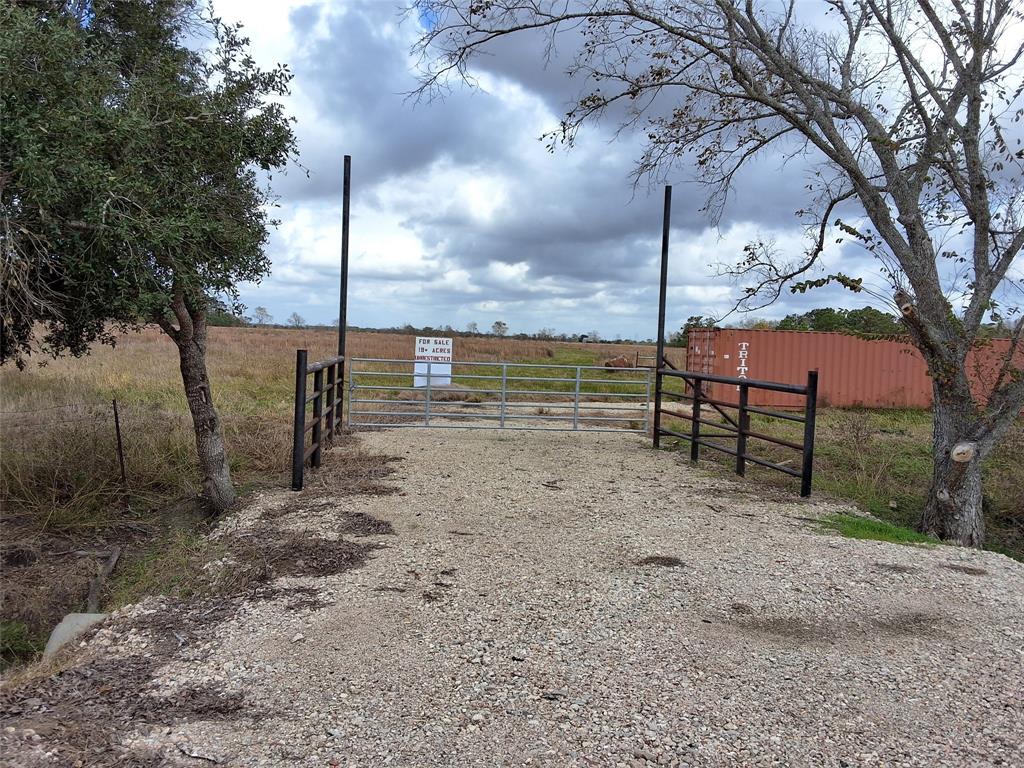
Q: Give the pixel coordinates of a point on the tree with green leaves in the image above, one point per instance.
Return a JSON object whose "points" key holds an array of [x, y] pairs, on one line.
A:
{"points": [[132, 183], [681, 338], [866, 321], [220, 314], [905, 110]]}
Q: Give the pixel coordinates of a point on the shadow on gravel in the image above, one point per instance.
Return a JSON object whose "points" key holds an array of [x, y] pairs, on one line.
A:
{"points": [[837, 631], [895, 568], [664, 561], [968, 569]]}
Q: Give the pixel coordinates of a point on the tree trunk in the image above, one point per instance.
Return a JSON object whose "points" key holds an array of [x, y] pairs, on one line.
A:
{"points": [[218, 492], [953, 510]]}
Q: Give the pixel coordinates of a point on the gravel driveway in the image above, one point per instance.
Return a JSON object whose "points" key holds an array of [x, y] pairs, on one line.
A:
{"points": [[581, 600]]}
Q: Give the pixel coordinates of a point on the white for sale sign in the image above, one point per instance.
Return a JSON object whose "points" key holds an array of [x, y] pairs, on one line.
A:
{"points": [[436, 350]]}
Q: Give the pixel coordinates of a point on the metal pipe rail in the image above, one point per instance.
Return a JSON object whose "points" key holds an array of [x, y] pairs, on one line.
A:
{"points": [[737, 427], [326, 398], [582, 392]]}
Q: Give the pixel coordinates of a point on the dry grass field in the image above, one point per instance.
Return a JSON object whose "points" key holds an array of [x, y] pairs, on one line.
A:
{"points": [[59, 466]]}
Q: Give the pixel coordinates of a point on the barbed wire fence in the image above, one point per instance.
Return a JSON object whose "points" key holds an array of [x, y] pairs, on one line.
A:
{"points": [[81, 462], [96, 423]]}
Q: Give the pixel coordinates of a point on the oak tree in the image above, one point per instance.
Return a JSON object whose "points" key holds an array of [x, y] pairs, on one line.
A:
{"points": [[136, 139]]}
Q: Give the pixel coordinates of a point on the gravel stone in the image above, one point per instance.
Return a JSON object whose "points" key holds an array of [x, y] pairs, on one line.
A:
{"points": [[522, 614]]}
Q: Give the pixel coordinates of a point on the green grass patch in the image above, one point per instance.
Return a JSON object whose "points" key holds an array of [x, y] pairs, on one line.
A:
{"points": [[877, 530], [18, 643], [170, 566]]}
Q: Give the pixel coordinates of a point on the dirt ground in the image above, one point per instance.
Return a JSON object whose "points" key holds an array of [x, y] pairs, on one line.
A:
{"points": [[547, 599]]}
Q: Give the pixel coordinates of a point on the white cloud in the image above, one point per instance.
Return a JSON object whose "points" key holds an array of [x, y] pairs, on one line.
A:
{"points": [[459, 212]]}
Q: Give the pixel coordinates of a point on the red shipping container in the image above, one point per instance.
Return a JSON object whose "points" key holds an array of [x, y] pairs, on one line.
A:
{"points": [[851, 371]]}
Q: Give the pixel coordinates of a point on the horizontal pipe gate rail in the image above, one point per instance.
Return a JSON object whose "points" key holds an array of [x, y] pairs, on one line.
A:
{"points": [[736, 426], [324, 422], [498, 395]]}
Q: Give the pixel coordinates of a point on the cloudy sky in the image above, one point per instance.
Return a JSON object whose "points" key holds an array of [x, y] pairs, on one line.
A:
{"points": [[460, 214]]}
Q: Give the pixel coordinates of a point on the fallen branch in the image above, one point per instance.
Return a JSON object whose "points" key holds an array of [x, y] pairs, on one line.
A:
{"points": [[93, 602], [197, 756]]}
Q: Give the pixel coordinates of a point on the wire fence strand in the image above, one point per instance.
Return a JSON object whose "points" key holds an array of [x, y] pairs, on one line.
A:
{"points": [[56, 407]]}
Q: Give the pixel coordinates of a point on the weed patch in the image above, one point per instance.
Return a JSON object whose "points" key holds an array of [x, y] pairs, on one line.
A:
{"points": [[865, 528], [18, 642]]}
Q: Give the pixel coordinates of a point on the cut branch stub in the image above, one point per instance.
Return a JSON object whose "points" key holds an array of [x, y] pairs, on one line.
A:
{"points": [[905, 302], [963, 452]]}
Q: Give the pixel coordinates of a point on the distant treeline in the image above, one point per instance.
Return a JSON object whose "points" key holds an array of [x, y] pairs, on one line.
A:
{"points": [[220, 314], [866, 321]]}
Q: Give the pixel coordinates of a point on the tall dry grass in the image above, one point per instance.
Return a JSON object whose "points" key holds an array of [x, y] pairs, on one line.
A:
{"points": [[59, 472]]}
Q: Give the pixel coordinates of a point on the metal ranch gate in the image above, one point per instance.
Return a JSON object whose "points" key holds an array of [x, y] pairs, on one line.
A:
{"points": [[500, 395], [538, 397]]}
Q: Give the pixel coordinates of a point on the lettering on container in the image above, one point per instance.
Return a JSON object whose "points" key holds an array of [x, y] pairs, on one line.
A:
{"points": [[743, 357]]}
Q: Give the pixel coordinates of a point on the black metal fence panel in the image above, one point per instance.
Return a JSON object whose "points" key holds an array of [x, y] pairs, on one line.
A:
{"points": [[734, 423], [317, 412]]}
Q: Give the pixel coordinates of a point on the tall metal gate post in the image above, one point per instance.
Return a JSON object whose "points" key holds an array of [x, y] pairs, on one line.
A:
{"points": [[299, 427], [576, 403], [659, 362], [346, 197], [810, 415]]}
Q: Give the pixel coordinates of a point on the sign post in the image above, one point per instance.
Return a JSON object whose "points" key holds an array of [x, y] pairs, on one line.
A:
{"points": [[437, 351]]}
